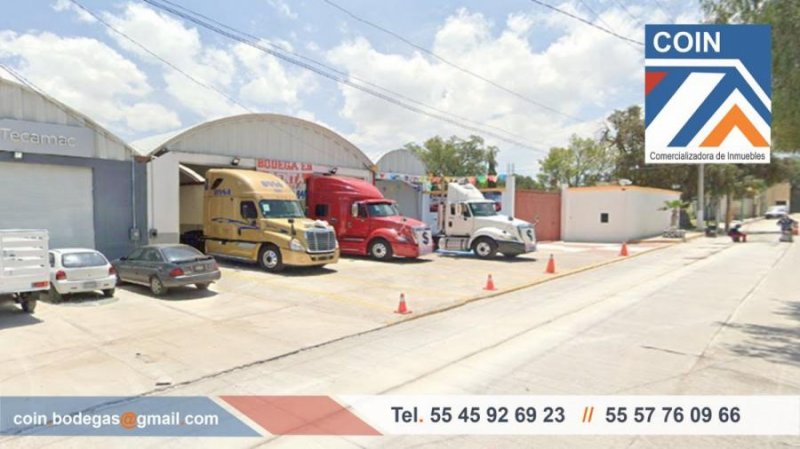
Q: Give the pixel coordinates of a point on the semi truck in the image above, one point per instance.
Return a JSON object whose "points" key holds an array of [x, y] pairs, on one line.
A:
{"points": [[24, 266], [468, 221], [366, 223], [256, 217]]}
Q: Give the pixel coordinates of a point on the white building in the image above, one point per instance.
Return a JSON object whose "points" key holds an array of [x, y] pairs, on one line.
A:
{"points": [[289, 147], [614, 213]]}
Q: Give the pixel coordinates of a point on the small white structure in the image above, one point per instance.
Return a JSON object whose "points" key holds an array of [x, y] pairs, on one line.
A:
{"points": [[613, 213]]}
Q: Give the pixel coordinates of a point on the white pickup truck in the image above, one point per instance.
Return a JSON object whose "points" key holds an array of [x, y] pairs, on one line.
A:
{"points": [[24, 266]]}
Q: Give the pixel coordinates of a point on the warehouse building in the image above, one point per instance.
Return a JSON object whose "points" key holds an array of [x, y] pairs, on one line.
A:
{"points": [[288, 147], [402, 176], [62, 172]]}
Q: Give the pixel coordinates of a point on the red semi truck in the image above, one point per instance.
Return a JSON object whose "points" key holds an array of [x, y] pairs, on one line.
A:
{"points": [[366, 223]]}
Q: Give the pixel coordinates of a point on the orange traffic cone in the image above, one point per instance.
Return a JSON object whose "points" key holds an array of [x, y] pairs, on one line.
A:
{"points": [[489, 284], [402, 308], [551, 265], [624, 250]]}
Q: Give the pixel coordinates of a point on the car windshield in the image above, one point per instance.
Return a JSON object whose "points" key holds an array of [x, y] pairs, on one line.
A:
{"points": [[281, 209], [80, 260], [382, 209], [485, 209], [178, 253]]}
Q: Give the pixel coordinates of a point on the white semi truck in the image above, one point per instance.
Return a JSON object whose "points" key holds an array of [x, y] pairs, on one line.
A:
{"points": [[468, 221], [24, 266]]}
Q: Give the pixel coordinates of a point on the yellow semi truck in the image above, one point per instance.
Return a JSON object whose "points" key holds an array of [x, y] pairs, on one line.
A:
{"points": [[256, 217]]}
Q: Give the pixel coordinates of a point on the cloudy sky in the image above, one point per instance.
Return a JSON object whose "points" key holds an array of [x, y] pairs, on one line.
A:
{"points": [[545, 57]]}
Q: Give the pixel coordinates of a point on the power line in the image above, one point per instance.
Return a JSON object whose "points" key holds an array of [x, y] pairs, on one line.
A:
{"points": [[627, 11], [587, 22], [334, 69], [236, 36], [445, 61]]}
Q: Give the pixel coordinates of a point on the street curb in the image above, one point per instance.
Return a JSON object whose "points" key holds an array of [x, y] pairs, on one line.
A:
{"points": [[528, 285]]}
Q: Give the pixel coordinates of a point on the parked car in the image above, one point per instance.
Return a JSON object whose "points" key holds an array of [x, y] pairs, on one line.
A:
{"points": [[776, 212], [165, 266], [80, 270]]}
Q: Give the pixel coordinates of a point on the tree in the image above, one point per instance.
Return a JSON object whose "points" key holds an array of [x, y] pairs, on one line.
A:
{"points": [[675, 206], [585, 162], [784, 16], [456, 156]]}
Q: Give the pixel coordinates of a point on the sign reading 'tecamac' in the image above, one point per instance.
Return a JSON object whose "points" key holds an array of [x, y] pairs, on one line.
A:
{"points": [[45, 138]]}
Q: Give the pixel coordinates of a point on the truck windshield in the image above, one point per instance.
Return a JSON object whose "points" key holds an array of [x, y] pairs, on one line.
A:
{"points": [[483, 209], [281, 209], [382, 210]]}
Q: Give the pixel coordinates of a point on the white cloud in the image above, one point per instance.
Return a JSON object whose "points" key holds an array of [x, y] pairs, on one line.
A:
{"points": [[87, 75], [572, 74], [282, 7], [151, 117], [269, 82], [182, 46], [66, 5]]}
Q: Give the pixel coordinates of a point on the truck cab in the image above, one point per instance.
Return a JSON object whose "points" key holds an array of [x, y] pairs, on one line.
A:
{"points": [[366, 223], [468, 221], [256, 217]]}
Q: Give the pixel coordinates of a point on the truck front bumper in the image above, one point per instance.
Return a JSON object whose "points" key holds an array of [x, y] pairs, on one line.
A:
{"points": [[410, 249], [514, 248], [304, 259]]}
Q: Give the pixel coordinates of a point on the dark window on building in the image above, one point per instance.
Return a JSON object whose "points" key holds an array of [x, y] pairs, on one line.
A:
{"points": [[248, 210], [604, 217], [321, 210]]}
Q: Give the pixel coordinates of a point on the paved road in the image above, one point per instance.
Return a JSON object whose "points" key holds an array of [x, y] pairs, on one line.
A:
{"points": [[707, 317]]}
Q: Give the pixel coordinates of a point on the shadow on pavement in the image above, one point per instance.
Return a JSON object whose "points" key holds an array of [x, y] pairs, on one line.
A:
{"points": [[780, 344], [288, 271], [174, 293], [11, 315]]}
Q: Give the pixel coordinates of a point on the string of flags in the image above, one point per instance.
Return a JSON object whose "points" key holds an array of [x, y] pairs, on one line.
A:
{"points": [[433, 183]]}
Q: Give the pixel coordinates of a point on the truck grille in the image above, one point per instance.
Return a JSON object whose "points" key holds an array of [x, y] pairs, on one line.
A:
{"points": [[320, 240]]}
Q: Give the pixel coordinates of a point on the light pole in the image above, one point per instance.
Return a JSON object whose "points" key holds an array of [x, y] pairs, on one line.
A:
{"points": [[701, 197]]}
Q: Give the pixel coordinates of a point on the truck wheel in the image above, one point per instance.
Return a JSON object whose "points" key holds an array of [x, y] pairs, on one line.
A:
{"points": [[157, 287], [380, 249], [510, 256], [28, 305], [485, 248], [270, 259]]}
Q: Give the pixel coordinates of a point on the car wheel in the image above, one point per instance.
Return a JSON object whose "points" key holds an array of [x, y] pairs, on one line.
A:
{"points": [[270, 259], [510, 256], [380, 249], [109, 293], [28, 305], [202, 286], [157, 287], [485, 248], [54, 296]]}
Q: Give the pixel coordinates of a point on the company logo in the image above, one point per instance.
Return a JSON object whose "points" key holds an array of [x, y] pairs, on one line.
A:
{"points": [[426, 238], [222, 192], [708, 91]]}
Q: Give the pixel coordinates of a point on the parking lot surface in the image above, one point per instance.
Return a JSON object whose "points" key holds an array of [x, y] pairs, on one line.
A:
{"points": [[134, 342]]}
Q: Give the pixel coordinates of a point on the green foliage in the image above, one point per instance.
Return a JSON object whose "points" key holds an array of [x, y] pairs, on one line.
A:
{"points": [[456, 156], [784, 16], [584, 162]]}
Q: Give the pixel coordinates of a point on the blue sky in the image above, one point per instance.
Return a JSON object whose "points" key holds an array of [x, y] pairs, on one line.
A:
{"points": [[516, 43]]}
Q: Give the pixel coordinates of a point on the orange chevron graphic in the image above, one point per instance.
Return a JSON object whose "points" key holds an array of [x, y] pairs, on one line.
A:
{"points": [[734, 118]]}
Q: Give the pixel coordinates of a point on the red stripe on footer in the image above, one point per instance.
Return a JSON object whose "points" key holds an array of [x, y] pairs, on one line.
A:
{"points": [[300, 415]]}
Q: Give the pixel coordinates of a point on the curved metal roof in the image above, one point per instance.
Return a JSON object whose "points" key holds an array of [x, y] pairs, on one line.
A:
{"points": [[402, 161], [261, 136]]}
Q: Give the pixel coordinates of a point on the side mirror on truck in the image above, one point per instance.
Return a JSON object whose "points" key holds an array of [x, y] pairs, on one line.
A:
{"points": [[354, 210]]}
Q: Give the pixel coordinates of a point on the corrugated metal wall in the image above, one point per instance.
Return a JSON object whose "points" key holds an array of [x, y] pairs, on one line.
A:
{"points": [[546, 206], [19, 103]]}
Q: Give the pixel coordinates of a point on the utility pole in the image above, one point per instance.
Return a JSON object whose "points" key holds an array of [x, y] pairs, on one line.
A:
{"points": [[701, 197]]}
